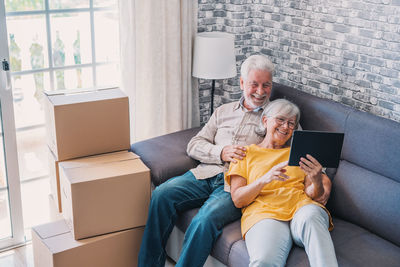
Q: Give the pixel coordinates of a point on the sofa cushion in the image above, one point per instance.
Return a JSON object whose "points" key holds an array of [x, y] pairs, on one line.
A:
{"points": [[166, 155], [367, 199], [355, 246], [230, 235], [238, 256], [373, 143]]}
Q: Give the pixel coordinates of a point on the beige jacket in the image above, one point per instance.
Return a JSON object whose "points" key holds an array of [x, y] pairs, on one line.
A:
{"points": [[230, 124]]}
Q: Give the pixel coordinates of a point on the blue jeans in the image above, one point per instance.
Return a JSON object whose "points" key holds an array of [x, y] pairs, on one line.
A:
{"points": [[177, 195]]}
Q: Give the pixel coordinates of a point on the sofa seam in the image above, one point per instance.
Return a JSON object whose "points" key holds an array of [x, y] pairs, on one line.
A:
{"points": [[230, 250]]}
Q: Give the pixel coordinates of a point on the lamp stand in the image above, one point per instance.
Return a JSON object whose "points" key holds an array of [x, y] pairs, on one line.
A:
{"points": [[212, 96]]}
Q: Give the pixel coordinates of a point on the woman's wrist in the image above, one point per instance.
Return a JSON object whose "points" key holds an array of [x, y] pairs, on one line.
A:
{"points": [[262, 182]]}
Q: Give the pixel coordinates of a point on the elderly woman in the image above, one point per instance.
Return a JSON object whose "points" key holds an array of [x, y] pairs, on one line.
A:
{"points": [[271, 194]]}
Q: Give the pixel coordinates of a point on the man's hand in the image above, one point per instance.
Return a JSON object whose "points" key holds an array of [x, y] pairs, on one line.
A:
{"points": [[232, 152]]}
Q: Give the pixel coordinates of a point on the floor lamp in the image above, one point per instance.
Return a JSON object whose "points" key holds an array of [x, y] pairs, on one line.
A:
{"points": [[214, 58]]}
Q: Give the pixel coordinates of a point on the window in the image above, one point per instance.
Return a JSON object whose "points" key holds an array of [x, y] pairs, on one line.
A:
{"points": [[62, 44], [54, 45]]}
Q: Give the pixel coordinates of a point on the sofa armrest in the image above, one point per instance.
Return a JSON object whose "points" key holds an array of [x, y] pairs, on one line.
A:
{"points": [[166, 155]]}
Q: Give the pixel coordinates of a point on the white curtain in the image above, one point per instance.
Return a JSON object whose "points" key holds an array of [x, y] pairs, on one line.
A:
{"points": [[156, 62]]}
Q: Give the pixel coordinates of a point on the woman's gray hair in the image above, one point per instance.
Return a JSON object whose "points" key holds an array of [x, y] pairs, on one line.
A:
{"points": [[256, 62], [279, 107]]}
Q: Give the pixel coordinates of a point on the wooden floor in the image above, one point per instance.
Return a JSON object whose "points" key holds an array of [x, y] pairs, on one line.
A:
{"points": [[23, 257], [18, 257]]}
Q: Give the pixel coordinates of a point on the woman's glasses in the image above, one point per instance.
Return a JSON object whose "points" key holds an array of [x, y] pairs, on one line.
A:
{"points": [[282, 121]]}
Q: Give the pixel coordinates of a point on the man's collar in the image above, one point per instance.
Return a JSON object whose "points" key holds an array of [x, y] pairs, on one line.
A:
{"points": [[241, 104]]}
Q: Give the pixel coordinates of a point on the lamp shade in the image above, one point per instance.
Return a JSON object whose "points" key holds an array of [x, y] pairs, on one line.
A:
{"points": [[214, 56]]}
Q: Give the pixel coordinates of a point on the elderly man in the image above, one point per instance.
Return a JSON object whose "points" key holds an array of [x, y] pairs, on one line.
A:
{"points": [[220, 142]]}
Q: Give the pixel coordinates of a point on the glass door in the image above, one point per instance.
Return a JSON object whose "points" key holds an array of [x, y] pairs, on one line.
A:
{"points": [[11, 223], [53, 45], [49, 45]]}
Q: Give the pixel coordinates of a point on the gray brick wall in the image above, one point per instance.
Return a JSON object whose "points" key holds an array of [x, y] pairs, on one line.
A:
{"points": [[347, 51]]}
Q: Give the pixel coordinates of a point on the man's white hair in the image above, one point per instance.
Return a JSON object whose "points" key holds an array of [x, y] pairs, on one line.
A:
{"points": [[256, 62]]}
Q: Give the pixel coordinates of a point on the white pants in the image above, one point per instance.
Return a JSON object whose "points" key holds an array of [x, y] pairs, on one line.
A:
{"points": [[269, 241]]}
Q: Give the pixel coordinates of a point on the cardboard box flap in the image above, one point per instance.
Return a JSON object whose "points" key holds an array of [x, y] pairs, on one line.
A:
{"points": [[60, 240], [76, 91], [48, 230], [105, 171], [66, 241], [98, 159], [85, 96]]}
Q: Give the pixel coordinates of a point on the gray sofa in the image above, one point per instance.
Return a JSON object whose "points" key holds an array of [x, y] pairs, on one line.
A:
{"points": [[365, 199]]}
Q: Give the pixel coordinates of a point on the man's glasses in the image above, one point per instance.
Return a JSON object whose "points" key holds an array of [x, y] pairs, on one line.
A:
{"points": [[282, 121]]}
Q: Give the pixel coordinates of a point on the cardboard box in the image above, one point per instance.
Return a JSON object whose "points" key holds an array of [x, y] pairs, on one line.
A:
{"points": [[54, 179], [104, 193], [54, 246], [87, 123]]}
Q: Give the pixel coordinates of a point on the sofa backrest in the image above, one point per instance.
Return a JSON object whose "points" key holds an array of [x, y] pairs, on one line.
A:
{"points": [[366, 186], [166, 155]]}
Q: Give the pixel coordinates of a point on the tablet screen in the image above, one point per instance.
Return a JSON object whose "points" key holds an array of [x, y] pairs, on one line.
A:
{"points": [[326, 147]]}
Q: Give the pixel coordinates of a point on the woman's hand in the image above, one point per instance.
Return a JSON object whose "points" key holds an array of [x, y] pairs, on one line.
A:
{"points": [[313, 171], [243, 194], [312, 168], [275, 173]]}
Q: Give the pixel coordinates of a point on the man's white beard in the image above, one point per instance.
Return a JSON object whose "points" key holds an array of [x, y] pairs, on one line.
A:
{"points": [[250, 103]]}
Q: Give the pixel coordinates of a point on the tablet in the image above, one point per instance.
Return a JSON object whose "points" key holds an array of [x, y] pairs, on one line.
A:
{"points": [[326, 147]]}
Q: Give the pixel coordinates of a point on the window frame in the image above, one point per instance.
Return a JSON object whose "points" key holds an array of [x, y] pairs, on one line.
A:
{"points": [[51, 68], [9, 149]]}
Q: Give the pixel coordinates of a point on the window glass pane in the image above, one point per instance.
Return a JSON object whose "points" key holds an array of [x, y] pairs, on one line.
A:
{"points": [[106, 36], [107, 75], [104, 3], [74, 78], [32, 153], [38, 207], [61, 4], [27, 48], [23, 5], [28, 98], [36, 194], [71, 39]]}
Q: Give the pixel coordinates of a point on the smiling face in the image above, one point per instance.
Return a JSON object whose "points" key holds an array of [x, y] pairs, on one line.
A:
{"points": [[279, 129], [256, 88]]}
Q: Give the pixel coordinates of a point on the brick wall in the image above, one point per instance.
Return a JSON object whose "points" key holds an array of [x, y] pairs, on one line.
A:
{"points": [[347, 51]]}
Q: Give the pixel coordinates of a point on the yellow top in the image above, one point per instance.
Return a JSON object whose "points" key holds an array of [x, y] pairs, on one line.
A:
{"points": [[277, 200]]}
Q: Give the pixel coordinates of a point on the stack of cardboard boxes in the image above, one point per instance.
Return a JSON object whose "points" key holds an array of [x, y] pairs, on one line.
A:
{"points": [[102, 190]]}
